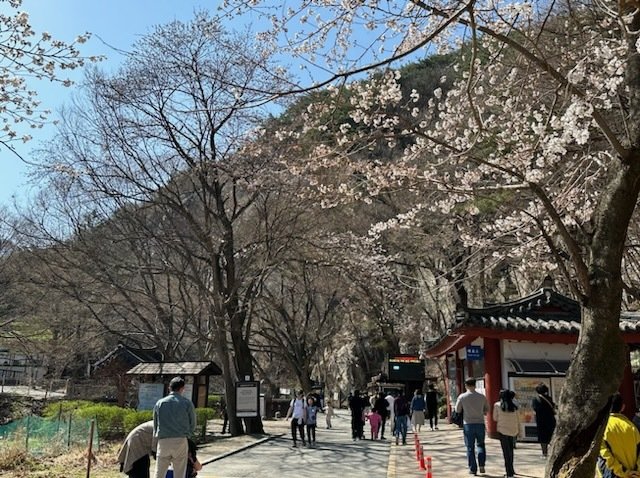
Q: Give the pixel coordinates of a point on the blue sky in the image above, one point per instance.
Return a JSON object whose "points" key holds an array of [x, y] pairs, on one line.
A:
{"points": [[118, 22], [116, 25]]}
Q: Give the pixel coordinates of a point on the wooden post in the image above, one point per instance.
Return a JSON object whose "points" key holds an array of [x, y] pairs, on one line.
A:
{"points": [[69, 431], [90, 450], [26, 441]]}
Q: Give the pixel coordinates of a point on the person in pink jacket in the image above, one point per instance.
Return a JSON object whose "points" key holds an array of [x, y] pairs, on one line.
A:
{"points": [[374, 421]]}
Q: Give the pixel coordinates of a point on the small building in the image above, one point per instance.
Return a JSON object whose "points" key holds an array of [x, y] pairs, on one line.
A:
{"points": [[113, 368], [517, 345], [154, 378], [21, 369]]}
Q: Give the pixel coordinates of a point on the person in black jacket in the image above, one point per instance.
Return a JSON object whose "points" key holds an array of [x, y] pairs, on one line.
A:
{"points": [[380, 406], [545, 416], [432, 398], [357, 406], [401, 409]]}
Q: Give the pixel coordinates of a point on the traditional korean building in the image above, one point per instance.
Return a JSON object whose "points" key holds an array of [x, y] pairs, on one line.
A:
{"points": [[519, 344], [113, 368]]}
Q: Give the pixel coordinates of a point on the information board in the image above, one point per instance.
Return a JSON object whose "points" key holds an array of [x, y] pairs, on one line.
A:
{"points": [[149, 394], [188, 391], [525, 390], [247, 399]]}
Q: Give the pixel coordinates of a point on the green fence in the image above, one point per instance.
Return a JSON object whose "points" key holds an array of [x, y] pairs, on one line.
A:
{"points": [[42, 436]]}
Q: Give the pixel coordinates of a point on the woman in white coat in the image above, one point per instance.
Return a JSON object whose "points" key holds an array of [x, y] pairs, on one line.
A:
{"points": [[505, 413]]}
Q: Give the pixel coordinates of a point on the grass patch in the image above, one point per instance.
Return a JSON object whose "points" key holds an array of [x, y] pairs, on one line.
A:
{"points": [[72, 464]]}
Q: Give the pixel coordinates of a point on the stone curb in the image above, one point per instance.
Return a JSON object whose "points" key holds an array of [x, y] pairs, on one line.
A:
{"points": [[239, 449]]}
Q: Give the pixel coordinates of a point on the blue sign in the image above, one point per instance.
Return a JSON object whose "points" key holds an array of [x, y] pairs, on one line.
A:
{"points": [[474, 352]]}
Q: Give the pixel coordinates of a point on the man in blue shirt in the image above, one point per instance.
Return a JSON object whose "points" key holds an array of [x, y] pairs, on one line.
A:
{"points": [[174, 420]]}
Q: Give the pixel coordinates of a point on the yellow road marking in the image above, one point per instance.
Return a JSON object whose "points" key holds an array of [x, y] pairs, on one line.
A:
{"points": [[393, 458]]}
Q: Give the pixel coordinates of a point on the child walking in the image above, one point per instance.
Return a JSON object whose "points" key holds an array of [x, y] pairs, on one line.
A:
{"points": [[374, 421], [328, 413]]}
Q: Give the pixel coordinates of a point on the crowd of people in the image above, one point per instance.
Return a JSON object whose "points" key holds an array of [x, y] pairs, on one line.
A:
{"points": [[167, 436], [393, 408], [473, 407]]}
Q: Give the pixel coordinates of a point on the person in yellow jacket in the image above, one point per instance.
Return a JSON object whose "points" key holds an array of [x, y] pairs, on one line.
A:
{"points": [[620, 444]]}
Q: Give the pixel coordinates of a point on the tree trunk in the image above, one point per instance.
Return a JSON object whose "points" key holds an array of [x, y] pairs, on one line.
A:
{"points": [[244, 368], [595, 373], [235, 425], [304, 377], [599, 359]]}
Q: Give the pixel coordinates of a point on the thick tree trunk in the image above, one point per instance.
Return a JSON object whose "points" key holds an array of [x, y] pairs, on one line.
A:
{"points": [[599, 359], [228, 376], [595, 373], [304, 377], [244, 368]]}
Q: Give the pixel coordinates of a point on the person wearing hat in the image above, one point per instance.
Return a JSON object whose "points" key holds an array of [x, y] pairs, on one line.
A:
{"points": [[174, 420]]}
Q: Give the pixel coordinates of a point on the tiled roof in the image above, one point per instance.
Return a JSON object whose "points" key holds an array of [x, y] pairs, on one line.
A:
{"points": [[543, 312], [175, 368], [630, 321], [129, 355], [554, 325]]}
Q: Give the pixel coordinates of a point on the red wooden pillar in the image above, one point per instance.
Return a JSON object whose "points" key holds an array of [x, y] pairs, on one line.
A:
{"points": [[448, 360], [627, 389], [459, 373], [492, 379]]}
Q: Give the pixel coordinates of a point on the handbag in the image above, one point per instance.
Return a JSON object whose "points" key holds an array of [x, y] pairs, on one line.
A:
{"points": [[457, 418]]}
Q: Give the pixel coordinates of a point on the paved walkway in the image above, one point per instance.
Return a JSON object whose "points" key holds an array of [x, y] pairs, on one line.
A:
{"points": [[448, 453], [336, 455]]}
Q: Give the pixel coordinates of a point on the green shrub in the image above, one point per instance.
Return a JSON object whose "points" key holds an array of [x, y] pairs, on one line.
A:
{"points": [[132, 419], [213, 401], [204, 414], [53, 409], [109, 418]]}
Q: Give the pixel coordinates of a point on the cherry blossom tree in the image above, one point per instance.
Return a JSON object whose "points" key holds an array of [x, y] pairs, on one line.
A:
{"points": [[24, 55], [542, 120]]}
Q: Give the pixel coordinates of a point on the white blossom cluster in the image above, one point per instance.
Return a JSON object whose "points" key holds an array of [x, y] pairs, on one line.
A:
{"points": [[26, 54], [523, 139]]}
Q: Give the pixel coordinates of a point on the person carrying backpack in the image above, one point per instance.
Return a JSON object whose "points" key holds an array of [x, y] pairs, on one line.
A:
{"points": [[297, 411]]}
